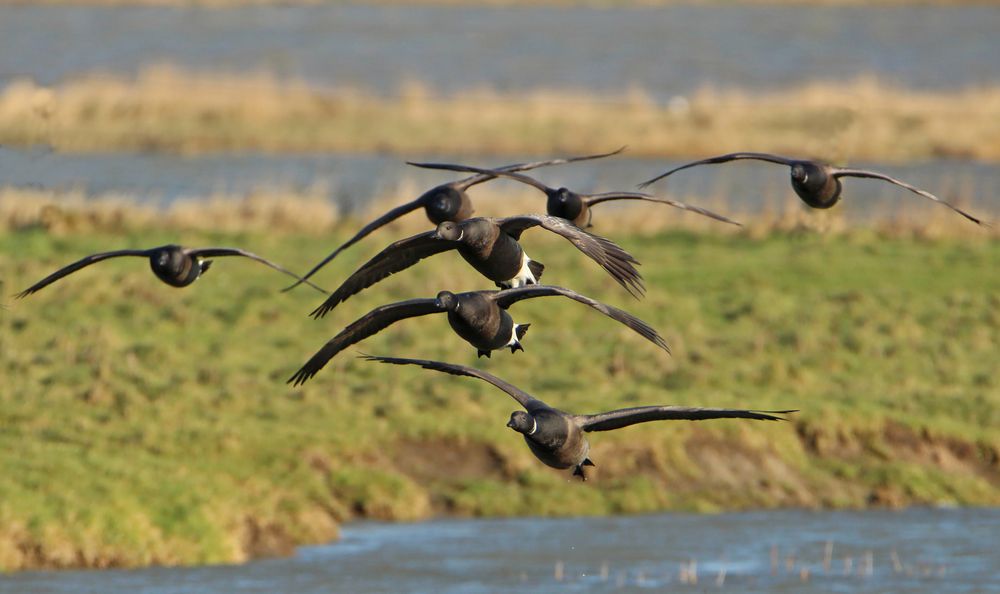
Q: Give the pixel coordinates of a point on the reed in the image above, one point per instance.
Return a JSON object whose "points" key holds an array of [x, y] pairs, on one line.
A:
{"points": [[165, 109]]}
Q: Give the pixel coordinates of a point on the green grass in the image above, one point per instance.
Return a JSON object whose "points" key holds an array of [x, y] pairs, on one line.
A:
{"points": [[144, 424]]}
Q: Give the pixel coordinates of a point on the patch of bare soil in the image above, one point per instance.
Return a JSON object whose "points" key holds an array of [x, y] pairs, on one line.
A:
{"points": [[445, 460]]}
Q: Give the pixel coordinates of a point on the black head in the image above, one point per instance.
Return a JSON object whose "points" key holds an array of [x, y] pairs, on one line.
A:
{"points": [[451, 231], [564, 203], [522, 422], [799, 173], [447, 301], [444, 203], [814, 184], [171, 265]]}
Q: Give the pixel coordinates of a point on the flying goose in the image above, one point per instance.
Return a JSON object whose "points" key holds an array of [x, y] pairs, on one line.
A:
{"points": [[557, 438], [816, 183], [491, 246], [446, 202], [175, 265], [565, 203], [480, 317]]}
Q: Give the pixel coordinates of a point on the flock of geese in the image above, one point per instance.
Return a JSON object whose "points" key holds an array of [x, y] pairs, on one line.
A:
{"points": [[492, 246]]}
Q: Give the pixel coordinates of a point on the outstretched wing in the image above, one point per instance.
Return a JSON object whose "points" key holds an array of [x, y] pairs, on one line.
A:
{"points": [[398, 256], [723, 159], [367, 229], [508, 297], [489, 172], [617, 419], [82, 263], [615, 260], [529, 402], [838, 172], [482, 177], [592, 199], [371, 323], [221, 252]]}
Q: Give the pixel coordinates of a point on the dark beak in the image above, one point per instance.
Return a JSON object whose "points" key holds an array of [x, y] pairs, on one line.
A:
{"points": [[510, 423]]}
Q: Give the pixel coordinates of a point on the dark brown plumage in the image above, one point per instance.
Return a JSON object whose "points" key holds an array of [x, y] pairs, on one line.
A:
{"points": [[567, 204], [446, 202], [491, 247], [557, 438], [480, 317], [816, 183], [172, 264]]}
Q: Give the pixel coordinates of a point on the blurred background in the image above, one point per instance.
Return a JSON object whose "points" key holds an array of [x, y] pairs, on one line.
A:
{"points": [[146, 426]]}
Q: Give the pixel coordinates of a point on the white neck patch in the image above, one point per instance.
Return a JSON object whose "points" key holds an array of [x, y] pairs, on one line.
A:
{"points": [[534, 426]]}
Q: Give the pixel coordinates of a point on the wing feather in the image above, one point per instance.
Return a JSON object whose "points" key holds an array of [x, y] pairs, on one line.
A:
{"points": [[508, 297], [529, 402], [593, 199], [482, 177], [838, 172], [398, 256], [617, 419], [81, 263], [722, 159], [364, 232], [214, 252], [371, 323], [483, 171], [615, 260]]}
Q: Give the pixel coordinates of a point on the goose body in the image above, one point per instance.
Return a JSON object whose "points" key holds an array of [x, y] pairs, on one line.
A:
{"points": [[558, 438], [491, 246], [567, 204], [175, 265], [443, 203], [478, 317], [815, 183]]}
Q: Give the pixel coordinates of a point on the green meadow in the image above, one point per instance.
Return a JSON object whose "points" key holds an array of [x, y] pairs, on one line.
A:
{"points": [[145, 424]]}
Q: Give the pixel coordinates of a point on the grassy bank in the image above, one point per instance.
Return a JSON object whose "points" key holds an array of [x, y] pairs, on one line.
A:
{"points": [[144, 424], [167, 110]]}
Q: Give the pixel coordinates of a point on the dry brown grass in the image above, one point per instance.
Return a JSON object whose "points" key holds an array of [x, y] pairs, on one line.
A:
{"points": [[168, 110], [67, 213]]}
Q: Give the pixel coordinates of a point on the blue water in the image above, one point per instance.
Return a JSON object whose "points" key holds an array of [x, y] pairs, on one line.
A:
{"points": [[937, 551], [353, 180], [667, 50]]}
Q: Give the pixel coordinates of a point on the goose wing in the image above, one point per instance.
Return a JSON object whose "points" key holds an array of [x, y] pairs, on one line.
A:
{"points": [[81, 263], [616, 419], [398, 256], [592, 199], [482, 177], [371, 323], [365, 231], [839, 172], [215, 252], [529, 402], [615, 260], [508, 297], [483, 171], [723, 159]]}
